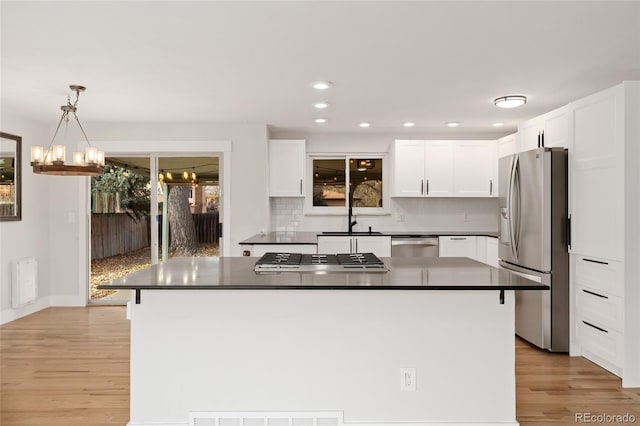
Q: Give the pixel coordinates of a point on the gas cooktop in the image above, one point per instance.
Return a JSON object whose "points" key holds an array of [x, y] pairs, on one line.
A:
{"points": [[296, 262]]}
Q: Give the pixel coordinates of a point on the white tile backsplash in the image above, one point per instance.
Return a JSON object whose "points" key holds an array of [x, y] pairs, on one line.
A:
{"points": [[406, 214]]}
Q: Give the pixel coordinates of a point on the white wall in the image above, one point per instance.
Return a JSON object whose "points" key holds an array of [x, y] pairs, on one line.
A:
{"points": [[30, 236]]}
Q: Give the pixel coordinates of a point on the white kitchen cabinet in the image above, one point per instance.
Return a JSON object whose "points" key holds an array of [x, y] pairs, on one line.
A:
{"points": [[286, 168], [529, 134], [599, 310], [380, 245], [492, 252], [444, 168], [439, 168], [549, 130], [508, 145], [604, 209], [458, 246], [597, 175], [408, 168], [475, 169]]}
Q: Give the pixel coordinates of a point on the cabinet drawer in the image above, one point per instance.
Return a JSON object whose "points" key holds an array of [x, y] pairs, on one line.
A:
{"points": [[602, 346], [601, 275], [602, 310]]}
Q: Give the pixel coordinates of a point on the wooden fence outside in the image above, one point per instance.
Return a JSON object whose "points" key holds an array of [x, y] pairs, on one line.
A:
{"points": [[116, 233]]}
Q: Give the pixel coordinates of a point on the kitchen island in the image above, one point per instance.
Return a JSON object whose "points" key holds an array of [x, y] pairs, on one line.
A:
{"points": [[429, 342]]}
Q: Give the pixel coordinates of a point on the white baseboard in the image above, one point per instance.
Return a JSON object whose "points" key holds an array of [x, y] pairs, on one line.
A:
{"points": [[71, 301], [12, 314]]}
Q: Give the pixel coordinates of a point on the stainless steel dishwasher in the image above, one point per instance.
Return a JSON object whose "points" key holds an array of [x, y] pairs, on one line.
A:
{"points": [[407, 246]]}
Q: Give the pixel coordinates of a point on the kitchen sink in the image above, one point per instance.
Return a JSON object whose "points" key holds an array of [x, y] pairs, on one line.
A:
{"points": [[350, 233]]}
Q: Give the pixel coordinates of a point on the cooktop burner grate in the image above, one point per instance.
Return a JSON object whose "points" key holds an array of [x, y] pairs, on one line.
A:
{"points": [[273, 261]]}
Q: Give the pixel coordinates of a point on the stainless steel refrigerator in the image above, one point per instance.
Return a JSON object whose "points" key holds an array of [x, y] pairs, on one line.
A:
{"points": [[533, 240]]}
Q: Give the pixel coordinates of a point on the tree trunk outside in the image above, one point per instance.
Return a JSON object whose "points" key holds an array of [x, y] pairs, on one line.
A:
{"points": [[183, 231]]}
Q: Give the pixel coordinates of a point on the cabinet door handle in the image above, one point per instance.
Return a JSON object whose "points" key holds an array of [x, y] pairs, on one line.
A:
{"points": [[300, 186], [458, 238], [356, 245], [542, 138], [421, 186], [427, 186], [490, 186], [595, 294], [595, 326], [600, 262], [350, 245]]}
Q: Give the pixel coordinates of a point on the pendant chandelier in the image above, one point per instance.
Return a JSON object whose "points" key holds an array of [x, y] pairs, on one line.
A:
{"points": [[52, 160]]}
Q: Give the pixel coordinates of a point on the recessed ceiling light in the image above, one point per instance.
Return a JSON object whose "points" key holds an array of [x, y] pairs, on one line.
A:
{"points": [[321, 105], [321, 85], [408, 124], [364, 124], [497, 124], [453, 123], [511, 101], [320, 120]]}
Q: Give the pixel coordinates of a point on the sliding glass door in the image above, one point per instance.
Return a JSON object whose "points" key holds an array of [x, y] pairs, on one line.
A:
{"points": [[147, 209]]}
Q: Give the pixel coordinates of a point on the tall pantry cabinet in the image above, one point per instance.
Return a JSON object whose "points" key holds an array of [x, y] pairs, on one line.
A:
{"points": [[604, 129]]}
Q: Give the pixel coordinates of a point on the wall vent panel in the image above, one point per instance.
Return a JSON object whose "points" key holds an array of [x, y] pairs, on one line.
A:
{"points": [[24, 282], [266, 418]]}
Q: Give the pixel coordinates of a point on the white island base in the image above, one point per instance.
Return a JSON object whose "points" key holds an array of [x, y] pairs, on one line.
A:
{"points": [[322, 357]]}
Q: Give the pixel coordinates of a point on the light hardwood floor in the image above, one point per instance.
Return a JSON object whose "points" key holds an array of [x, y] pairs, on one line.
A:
{"points": [[70, 366]]}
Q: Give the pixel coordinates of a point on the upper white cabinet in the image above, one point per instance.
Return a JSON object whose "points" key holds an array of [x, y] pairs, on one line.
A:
{"points": [[597, 175], [380, 245], [408, 168], [439, 165], [444, 168], [286, 168], [474, 169], [549, 130], [508, 145]]}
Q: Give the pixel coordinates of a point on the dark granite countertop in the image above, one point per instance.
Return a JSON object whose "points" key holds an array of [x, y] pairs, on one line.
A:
{"points": [[236, 273], [309, 237]]}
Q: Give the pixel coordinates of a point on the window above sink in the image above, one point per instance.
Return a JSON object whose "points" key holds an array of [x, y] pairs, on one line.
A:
{"points": [[335, 178]]}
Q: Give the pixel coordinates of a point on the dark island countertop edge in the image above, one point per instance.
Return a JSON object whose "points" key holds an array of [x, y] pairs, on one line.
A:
{"points": [[320, 287]]}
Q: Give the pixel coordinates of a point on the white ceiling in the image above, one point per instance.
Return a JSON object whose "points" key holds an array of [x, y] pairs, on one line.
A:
{"points": [[253, 62]]}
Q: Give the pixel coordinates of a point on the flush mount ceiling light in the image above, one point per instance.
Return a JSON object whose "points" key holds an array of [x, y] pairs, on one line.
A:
{"points": [[498, 124], [511, 101], [52, 160], [364, 124], [321, 105], [321, 85], [408, 124], [453, 123], [320, 120]]}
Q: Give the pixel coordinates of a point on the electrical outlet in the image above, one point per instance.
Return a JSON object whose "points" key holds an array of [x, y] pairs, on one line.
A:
{"points": [[408, 379]]}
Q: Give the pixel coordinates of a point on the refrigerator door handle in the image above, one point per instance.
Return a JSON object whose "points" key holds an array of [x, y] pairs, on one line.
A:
{"points": [[510, 212], [518, 212]]}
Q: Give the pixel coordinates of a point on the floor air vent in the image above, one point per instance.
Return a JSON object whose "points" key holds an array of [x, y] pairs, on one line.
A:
{"points": [[265, 418]]}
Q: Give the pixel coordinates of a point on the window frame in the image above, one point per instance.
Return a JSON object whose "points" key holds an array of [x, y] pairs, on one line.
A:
{"points": [[311, 210]]}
